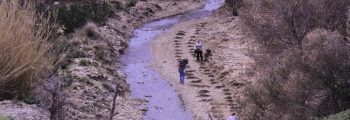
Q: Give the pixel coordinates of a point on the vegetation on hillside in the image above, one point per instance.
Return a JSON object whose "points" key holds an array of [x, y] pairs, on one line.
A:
{"points": [[306, 72], [24, 47], [345, 115], [76, 15], [234, 5]]}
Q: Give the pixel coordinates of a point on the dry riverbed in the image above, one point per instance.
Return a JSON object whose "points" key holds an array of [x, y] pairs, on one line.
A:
{"points": [[212, 89], [88, 77]]}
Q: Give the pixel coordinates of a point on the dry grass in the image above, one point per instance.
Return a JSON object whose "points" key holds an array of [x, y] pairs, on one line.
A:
{"points": [[90, 30], [24, 58]]}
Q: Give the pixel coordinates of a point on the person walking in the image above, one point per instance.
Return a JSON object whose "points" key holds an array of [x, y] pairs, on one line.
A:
{"points": [[181, 68], [198, 50], [233, 117]]}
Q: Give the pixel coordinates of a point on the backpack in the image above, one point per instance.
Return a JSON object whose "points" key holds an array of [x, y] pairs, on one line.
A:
{"points": [[183, 63]]}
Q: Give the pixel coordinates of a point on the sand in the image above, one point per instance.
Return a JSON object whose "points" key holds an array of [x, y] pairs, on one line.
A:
{"points": [[212, 89]]}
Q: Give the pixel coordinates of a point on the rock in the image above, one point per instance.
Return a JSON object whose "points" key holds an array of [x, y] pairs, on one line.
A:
{"points": [[22, 111], [140, 82], [148, 96], [144, 109]]}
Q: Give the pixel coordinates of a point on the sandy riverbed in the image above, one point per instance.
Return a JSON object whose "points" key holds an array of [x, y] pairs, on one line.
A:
{"points": [[128, 108], [212, 89]]}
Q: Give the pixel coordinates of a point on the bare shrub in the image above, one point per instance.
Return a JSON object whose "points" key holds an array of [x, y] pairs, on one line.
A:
{"points": [[76, 53], [24, 57], [282, 92], [308, 67], [234, 5], [90, 30], [282, 24], [289, 89], [326, 57], [101, 52], [84, 62]]}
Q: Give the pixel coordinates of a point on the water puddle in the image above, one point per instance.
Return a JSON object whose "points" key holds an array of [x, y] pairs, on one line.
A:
{"points": [[145, 82]]}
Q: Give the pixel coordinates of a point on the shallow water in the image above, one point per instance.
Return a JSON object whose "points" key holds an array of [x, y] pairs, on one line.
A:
{"points": [[145, 82]]}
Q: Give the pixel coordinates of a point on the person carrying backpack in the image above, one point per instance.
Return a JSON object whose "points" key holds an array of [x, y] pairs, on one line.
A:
{"points": [[198, 50], [182, 66]]}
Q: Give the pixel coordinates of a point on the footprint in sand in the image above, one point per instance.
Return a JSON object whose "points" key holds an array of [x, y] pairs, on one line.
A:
{"points": [[226, 90], [178, 37], [211, 76], [213, 83], [206, 100], [203, 91], [200, 86], [190, 43], [219, 87], [177, 44], [196, 81], [190, 46], [181, 34], [178, 53], [189, 74], [191, 77], [178, 50], [203, 95], [190, 71]]}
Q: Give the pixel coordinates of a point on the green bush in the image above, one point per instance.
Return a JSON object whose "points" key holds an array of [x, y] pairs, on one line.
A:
{"points": [[118, 5], [131, 3], [5, 118], [340, 116], [77, 15]]}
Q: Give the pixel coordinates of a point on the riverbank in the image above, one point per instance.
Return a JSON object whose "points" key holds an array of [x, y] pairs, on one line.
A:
{"points": [[127, 107], [88, 76], [212, 89], [116, 33]]}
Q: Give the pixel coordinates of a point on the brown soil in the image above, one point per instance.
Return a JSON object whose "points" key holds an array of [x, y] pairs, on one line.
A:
{"points": [[212, 89]]}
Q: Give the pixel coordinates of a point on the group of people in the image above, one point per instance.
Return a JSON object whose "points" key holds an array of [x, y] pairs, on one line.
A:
{"points": [[183, 63], [199, 55], [199, 52]]}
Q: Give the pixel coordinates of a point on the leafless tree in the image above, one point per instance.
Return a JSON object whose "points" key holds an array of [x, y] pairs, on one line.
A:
{"points": [[308, 58]]}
